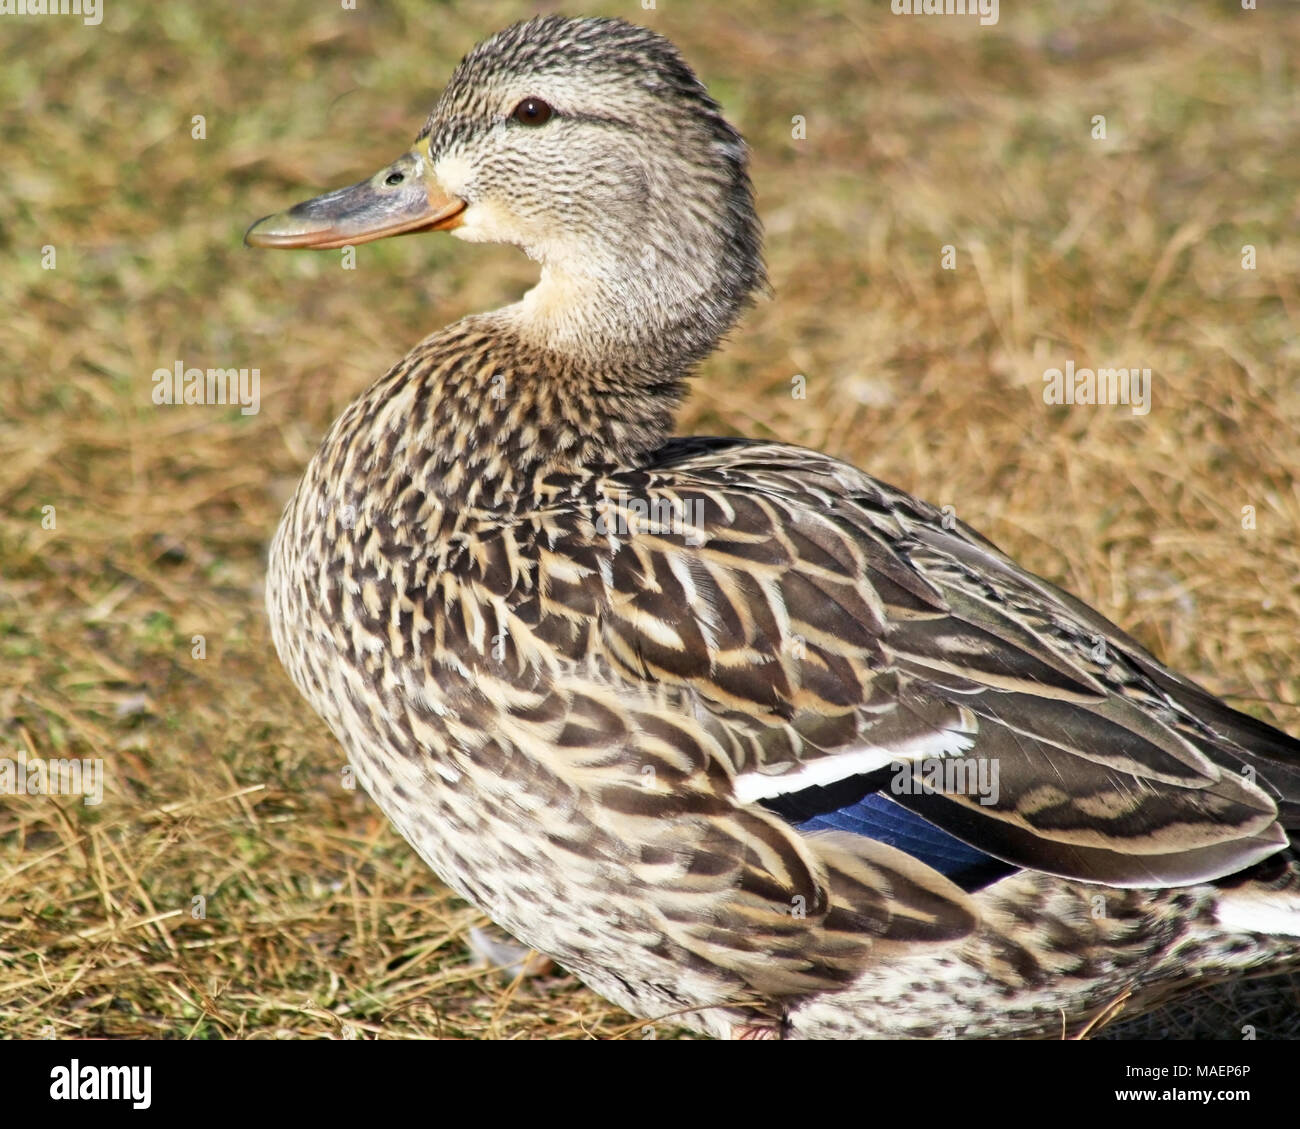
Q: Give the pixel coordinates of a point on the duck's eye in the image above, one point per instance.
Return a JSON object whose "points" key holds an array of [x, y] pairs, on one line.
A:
{"points": [[532, 111], [394, 178]]}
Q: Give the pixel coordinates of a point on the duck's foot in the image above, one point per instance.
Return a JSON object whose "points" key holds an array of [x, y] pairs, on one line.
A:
{"points": [[496, 949]]}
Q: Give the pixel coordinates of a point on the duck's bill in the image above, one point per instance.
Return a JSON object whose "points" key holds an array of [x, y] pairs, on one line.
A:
{"points": [[398, 200]]}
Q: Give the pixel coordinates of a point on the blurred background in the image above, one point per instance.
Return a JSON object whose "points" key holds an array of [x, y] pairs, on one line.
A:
{"points": [[951, 210]]}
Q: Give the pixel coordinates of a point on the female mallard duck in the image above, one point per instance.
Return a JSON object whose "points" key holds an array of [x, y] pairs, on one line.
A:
{"points": [[731, 730]]}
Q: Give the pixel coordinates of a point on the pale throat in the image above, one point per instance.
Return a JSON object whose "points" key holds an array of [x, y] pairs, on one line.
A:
{"points": [[611, 305]]}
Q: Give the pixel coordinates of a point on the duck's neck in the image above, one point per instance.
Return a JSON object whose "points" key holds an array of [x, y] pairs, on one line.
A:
{"points": [[586, 371], [641, 307], [477, 414]]}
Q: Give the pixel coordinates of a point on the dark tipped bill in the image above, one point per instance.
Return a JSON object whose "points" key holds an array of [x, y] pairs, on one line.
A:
{"points": [[403, 198]]}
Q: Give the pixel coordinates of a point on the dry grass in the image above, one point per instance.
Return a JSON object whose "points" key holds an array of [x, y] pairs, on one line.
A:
{"points": [[920, 132]]}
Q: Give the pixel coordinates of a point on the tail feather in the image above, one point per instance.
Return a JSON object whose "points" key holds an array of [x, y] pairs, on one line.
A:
{"points": [[1268, 901], [1272, 755]]}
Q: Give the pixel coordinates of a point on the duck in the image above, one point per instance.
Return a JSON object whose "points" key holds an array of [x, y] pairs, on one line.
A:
{"points": [[730, 730]]}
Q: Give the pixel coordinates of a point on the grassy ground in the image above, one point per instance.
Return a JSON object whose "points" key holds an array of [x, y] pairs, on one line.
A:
{"points": [[920, 132]]}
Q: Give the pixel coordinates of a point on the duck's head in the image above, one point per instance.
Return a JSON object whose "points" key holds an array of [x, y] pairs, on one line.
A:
{"points": [[590, 144]]}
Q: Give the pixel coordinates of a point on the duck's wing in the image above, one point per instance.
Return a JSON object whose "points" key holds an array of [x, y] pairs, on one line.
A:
{"points": [[849, 646]]}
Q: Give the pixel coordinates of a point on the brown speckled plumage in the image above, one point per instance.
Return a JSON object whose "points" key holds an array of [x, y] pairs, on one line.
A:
{"points": [[597, 675]]}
